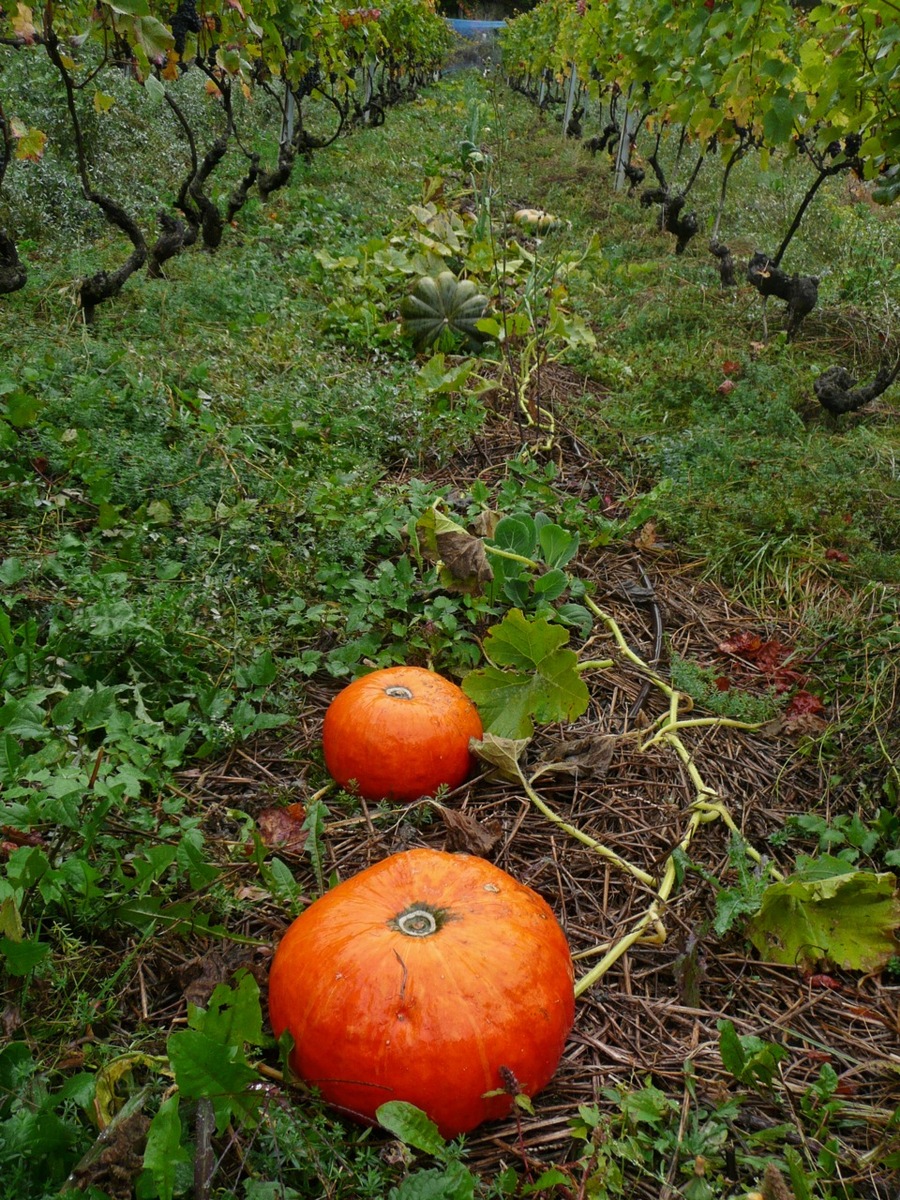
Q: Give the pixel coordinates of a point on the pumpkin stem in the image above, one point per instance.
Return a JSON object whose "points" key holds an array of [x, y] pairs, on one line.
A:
{"points": [[398, 692], [420, 920]]}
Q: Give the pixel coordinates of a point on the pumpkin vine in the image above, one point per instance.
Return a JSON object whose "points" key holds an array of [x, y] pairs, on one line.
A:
{"points": [[706, 806]]}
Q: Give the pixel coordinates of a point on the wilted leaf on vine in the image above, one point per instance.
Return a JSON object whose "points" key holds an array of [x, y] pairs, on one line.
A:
{"points": [[282, 828], [530, 677], [464, 564], [486, 522], [467, 833], [501, 753], [589, 756], [847, 920]]}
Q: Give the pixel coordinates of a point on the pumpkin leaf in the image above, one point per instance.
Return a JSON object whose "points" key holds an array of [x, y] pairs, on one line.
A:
{"points": [[464, 565], [847, 920], [502, 754], [413, 1127], [530, 677], [588, 757]]}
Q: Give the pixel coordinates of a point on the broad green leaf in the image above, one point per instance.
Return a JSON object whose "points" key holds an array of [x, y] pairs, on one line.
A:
{"points": [[155, 88], [731, 1051], [778, 122], [453, 1182], [576, 615], [551, 584], [166, 1158], [530, 677], [10, 758], [558, 545], [22, 408], [22, 956], [204, 1067], [516, 534], [547, 1180], [232, 1015], [647, 1106], [749, 1059], [435, 376], [129, 8], [412, 1126], [847, 920]]}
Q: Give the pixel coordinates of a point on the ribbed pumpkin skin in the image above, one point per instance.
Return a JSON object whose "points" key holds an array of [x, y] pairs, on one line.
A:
{"points": [[398, 748], [379, 1015], [443, 306]]}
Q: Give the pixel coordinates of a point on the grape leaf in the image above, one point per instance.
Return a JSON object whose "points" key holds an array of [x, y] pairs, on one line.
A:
{"points": [[530, 677], [847, 920]]}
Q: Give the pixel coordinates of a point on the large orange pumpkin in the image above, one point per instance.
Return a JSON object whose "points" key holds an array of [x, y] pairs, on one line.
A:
{"points": [[400, 733], [420, 979]]}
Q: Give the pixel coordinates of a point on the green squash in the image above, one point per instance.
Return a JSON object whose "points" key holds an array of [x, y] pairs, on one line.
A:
{"points": [[440, 312]]}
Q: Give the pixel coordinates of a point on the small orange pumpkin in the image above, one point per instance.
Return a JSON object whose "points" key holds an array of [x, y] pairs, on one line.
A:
{"points": [[400, 733], [421, 979]]}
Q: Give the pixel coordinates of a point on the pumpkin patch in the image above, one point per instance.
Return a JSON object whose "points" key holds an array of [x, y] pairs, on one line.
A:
{"points": [[400, 733], [430, 977]]}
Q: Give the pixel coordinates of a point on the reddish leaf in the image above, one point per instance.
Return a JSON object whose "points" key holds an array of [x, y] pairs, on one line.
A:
{"points": [[730, 367], [837, 555], [282, 828], [804, 704], [722, 683], [742, 645], [824, 981]]}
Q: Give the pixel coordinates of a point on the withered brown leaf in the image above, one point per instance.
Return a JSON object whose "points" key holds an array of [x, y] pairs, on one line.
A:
{"points": [[466, 565], [589, 756], [282, 828], [468, 834]]}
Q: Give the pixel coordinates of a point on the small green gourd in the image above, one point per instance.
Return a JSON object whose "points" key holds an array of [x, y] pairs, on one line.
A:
{"points": [[439, 312]]}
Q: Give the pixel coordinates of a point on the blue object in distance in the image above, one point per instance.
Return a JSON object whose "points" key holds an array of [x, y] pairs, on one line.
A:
{"points": [[473, 28]]}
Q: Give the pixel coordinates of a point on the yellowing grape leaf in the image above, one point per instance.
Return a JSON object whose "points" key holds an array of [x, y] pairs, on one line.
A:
{"points": [[847, 920], [29, 142]]}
